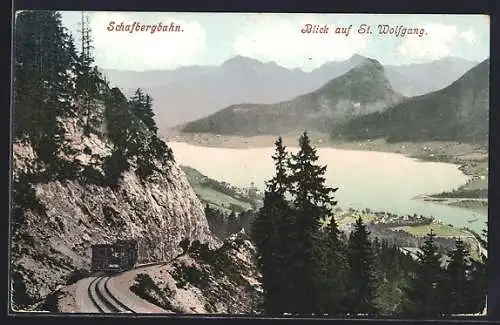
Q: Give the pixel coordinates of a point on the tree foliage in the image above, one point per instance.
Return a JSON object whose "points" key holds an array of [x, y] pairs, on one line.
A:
{"points": [[425, 285], [43, 84], [310, 268], [53, 82], [141, 105], [361, 296]]}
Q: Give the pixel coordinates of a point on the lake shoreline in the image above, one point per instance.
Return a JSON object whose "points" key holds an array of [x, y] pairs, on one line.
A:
{"points": [[471, 160], [479, 205]]}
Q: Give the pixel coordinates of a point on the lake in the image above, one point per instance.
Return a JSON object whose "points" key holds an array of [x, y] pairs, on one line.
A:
{"points": [[366, 179]]}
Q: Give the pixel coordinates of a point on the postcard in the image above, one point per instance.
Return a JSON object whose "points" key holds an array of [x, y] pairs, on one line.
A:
{"points": [[282, 165]]}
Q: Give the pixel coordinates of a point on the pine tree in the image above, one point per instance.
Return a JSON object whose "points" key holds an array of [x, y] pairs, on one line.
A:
{"points": [[142, 108], [476, 302], [270, 231], [456, 286], [362, 274], [336, 269], [87, 78], [476, 296], [44, 58], [393, 269], [423, 291], [312, 203]]}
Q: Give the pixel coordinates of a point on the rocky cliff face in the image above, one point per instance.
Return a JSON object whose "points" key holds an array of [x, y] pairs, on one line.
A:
{"points": [[203, 281], [55, 239]]}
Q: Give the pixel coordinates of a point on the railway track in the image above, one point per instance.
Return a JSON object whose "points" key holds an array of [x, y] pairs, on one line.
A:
{"points": [[103, 299]]}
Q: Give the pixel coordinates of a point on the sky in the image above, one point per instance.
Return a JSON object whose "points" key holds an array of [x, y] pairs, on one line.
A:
{"points": [[212, 38]]}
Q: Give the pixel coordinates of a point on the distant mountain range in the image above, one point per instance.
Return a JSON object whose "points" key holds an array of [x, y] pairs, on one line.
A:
{"points": [[362, 90], [189, 93], [362, 104], [459, 112]]}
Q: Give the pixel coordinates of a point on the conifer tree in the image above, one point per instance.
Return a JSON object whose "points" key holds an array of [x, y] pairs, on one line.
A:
{"points": [[362, 274], [43, 87], [336, 269], [423, 291], [270, 232], [142, 108], [456, 286], [88, 80], [476, 302], [312, 202], [476, 296]]}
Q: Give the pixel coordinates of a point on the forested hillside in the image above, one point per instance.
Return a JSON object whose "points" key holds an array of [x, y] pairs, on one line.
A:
{"points": [[53, 84], [457, 113], [309, 267]]}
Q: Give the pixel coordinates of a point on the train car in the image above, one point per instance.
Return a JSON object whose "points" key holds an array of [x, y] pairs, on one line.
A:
{"points": [[102, 257], [128, 252], [116, 257]]}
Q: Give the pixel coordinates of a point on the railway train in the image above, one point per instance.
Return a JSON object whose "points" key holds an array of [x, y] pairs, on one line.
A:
{"points": [[116, 257]]}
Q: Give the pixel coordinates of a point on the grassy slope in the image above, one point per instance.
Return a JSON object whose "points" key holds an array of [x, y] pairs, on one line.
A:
{"points": [[440, 230], [210, 194]]}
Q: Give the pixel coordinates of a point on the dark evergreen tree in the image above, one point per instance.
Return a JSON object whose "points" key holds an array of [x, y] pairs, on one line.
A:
{"points": [[312, 202], [246, 219], [89, 81], [43, 86], [216, 221], [456, 286], [393, 269], [476, 296], [336, 269], [362, 281], [52, 82], [271, 234], [142, 108], [423, 291]]}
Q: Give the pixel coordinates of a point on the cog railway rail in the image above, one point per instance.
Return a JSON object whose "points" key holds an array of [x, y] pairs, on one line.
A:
{"points": [[103, 299], [109, 260]]}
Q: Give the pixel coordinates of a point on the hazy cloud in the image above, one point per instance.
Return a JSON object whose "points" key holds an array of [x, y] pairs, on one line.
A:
{"points": [[279, 38], [434, 45], [211, 38], [145, 49], [468, 35]]}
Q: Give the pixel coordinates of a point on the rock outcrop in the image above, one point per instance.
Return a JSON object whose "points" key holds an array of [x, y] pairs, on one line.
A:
{"points": [[55, 239], [221, 281]]}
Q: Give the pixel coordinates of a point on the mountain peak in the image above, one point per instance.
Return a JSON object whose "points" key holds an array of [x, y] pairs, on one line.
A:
{"points": [[371, 65], [449, 114], [368, 71], [238, 60], [365, 83], [356, 58]]}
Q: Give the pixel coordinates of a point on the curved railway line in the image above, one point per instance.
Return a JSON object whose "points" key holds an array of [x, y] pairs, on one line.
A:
{"points": [[103, 299]]}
